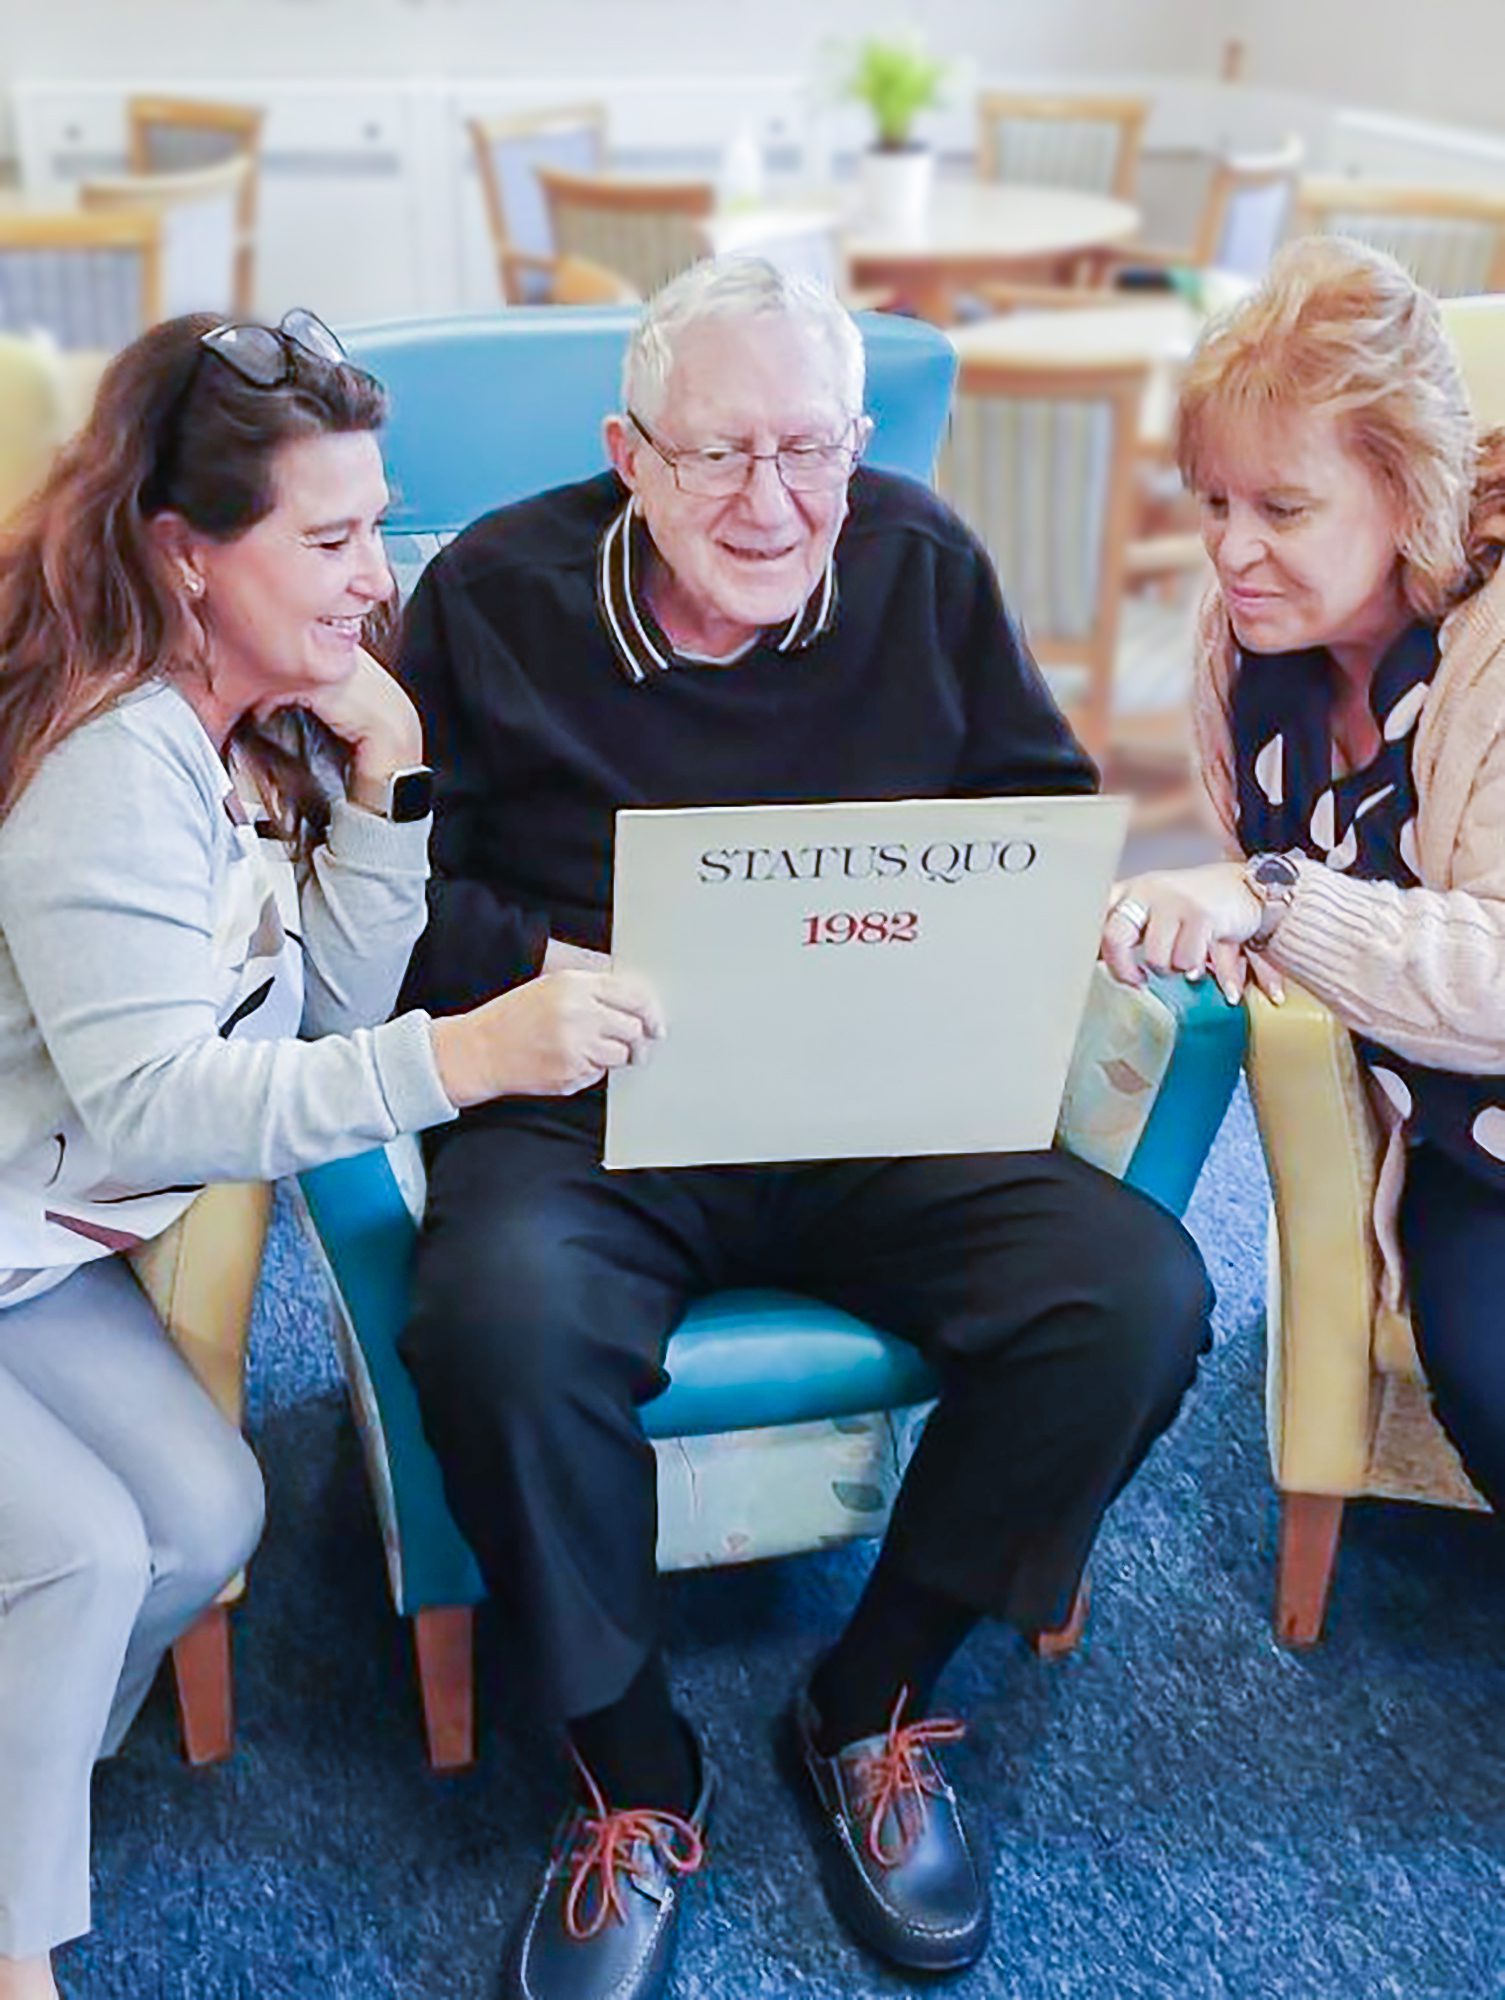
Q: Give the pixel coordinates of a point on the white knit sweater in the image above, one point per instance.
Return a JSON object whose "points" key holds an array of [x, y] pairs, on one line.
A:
{"points": [[1421, 970]]}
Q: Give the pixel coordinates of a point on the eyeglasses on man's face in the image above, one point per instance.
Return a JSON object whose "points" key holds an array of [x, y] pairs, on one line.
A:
{"points": [[720, 471]]}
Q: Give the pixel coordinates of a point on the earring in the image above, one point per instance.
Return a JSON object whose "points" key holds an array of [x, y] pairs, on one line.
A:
{"points": [[193, 583]]}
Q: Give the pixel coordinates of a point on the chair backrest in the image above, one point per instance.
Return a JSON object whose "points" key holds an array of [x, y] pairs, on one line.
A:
{"points": [[90, 281], [1039, 461], [1248, 209], [648, 231], [200, 217], [1088, 143], [1451, 240], [32, 415], [1476, 328], [177, 134], [508, 153], [467, 433]]}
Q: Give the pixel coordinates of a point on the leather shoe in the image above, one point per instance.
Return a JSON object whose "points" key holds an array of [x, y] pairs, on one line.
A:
{"points": [[604, 1919], [900, 1868]]}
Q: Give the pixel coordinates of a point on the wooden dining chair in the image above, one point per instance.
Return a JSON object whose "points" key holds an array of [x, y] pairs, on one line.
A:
{"points": [[199, 210], [1088, 143], [1451, 240], [90, 281], [508, 153], [177, 134], [1245, 215], [1040, 462], [647, 231]]}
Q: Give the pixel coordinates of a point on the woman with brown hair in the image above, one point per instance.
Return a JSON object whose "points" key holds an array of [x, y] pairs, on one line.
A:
{"points": [[213, 832], [1351, 722]]}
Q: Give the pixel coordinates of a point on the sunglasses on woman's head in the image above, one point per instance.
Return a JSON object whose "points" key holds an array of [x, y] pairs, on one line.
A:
{"points": [[266, 356]]}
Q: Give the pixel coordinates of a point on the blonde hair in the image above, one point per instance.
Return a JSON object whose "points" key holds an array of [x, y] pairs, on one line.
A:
{"points": [[1340, 327]]}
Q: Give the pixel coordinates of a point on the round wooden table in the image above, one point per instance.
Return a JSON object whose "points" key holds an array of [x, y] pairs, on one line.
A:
{"points": [[974, 231], [1158, 329]]}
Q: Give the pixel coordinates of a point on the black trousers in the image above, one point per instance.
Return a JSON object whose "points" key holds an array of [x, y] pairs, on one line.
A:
{"points": [[1063, 1314], [1452, 1228]]}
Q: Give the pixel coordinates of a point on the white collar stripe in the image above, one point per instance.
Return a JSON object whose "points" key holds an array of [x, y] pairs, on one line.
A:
{"points": [[605, 591], [630, 594], [638, 652]]}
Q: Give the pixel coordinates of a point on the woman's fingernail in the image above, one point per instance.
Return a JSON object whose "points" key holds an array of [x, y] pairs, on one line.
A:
{"points": [[1194, 975], [1231, 994]]}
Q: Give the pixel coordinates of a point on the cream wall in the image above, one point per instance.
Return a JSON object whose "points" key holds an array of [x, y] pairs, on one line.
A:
{"points": [[81, 38], [1432, 59], [1441, 60]]}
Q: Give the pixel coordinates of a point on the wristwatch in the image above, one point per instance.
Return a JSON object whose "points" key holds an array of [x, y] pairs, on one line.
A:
{"points": [[1273, 878], [409, 795]]}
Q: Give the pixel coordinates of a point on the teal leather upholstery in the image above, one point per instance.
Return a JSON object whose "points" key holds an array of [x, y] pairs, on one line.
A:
{"points": [[492, 407], [488, 410], [740, 1362]]}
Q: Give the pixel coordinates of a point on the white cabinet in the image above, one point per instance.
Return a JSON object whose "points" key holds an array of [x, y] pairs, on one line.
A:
{"points": [[343, 186]]}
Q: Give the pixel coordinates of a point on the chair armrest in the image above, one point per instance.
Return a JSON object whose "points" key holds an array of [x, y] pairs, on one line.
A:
{"points": [[363, 1227], [201, 1277], [1321, 1147], [1150, 1079]]}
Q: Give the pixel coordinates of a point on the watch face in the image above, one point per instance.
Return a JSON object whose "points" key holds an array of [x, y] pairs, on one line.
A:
{"points": [[412, 795], [1276, 871]]}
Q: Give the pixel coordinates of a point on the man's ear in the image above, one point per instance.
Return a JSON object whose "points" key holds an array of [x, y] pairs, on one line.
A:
{"points": [[622, 447]]}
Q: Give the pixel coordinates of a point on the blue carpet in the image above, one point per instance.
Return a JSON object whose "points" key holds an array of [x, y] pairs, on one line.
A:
{"points": [[1180, 1811]]}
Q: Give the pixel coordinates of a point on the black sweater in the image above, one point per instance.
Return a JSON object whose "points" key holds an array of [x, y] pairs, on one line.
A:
{"points": [[922, 688]]}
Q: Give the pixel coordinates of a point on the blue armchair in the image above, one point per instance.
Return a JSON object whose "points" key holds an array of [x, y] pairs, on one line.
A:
{"points": [[787, 1423]]}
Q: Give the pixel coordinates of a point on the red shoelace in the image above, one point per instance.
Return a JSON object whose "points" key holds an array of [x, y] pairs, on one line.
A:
{"points": [[894, 1779], [608, 1843]]}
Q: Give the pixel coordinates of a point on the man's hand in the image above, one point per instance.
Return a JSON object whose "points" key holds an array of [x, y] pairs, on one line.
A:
{"points": [[552, 1037], [561, 957]]}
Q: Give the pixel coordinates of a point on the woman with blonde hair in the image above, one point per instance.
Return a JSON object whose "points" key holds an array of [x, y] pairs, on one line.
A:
{"points": [[213, 840], [1350, 710]]}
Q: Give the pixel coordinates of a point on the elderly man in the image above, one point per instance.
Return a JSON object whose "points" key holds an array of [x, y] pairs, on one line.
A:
{"points": [[740, 612]]}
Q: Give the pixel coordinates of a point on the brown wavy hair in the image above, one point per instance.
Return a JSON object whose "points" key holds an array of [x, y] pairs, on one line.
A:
{"points": [[89, 604], [1339, 326]]}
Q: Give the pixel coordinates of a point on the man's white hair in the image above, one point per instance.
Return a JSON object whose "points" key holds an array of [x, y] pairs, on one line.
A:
{"points": [[736, 287]]}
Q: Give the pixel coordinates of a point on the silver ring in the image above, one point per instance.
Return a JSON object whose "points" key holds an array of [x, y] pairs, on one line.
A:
{"points": [[1134, 911]]}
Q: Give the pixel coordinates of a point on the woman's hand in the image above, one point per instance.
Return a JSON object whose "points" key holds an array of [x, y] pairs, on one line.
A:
{"points": [[1194, 920], [554, 1036], [369, 711]]}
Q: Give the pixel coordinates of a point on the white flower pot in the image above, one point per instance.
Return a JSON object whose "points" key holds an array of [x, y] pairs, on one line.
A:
{"points": [[896, 186]]}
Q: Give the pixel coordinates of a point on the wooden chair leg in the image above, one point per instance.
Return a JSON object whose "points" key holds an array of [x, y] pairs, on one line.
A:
{"points": [[206, 1702], [1056, 1644], [1309, 1528], [444, 1639]]}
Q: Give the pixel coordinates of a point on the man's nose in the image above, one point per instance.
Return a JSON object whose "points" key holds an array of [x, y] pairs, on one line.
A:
{"points": [[765, 496]]}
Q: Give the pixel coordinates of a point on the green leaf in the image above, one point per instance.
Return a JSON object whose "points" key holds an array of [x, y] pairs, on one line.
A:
{"points": [[895, 80]]}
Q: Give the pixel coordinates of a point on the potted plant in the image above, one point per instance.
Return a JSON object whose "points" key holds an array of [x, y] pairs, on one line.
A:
{"points": [[896, 79]]}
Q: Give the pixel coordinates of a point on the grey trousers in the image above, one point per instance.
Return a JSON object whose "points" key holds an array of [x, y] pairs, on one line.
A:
{"points": [[126, 1504]]}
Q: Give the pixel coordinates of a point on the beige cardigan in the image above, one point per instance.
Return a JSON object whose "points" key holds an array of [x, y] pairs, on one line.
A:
{"points": [[1421, 970]]}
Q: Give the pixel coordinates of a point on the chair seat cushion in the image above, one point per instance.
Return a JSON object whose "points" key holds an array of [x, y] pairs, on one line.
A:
{"points": [[740, 1360]]}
